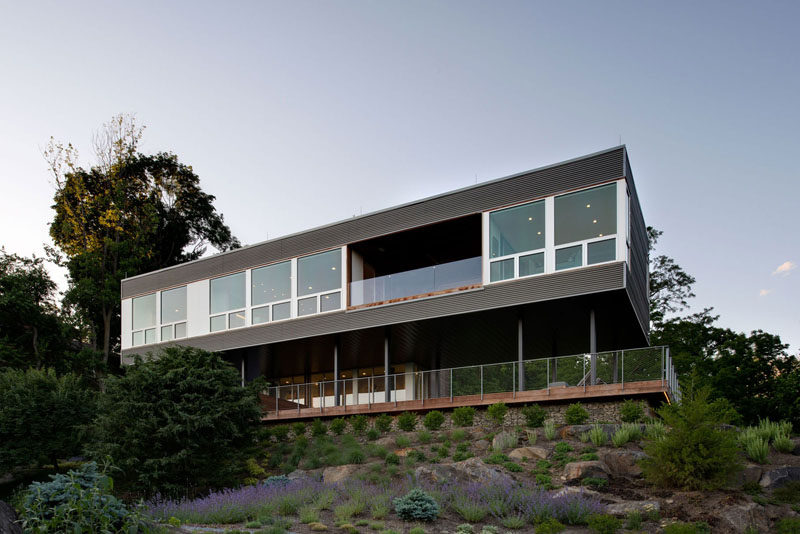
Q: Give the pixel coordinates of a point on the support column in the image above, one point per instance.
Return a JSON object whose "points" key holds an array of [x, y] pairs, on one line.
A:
{"points": [[520, 357], [593, 347], [243, 370], [386, 367], [336, 372]]}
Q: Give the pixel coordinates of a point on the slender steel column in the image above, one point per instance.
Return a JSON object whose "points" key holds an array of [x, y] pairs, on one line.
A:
{"points": [[593, 346], [521, 371], [336, 372], [386, 367]]}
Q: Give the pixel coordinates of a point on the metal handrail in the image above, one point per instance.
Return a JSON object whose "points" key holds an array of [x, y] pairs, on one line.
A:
{"points": [[307, 399]]}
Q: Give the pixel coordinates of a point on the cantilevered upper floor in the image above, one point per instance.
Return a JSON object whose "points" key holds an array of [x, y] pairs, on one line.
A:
{"points": [[564, 231]]}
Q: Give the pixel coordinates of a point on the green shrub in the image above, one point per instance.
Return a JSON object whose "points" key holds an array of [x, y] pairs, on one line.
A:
{"points": [[416, 505], [512, 466], [504, 440], [544, 480], [417, 530], [458, 435], [392, 459], [78, 501], [625, 434], [308, 514], [563, 446], [298, 429], [496, 458], [576, 414], [534, 415], [359, 424], [513, 522], [687, 528], [383, 423], [598, 436], [433, 420], [756, 448], [783, 443], [697, 453], [634, 520], [318, 428], [789, 493], [550, 429], [549, 526], [407, 421], [655, 430], [42, 416], [584, 437], [788, 525], [631, 411], [373, 433], [463, 416], [281, 432], [490, 529], [497, 412], [338, 425], [200, 411], [356, 456], [465, 528], [595, 482], [589, 456], [423, 436], [402, 441], [604, 524]]}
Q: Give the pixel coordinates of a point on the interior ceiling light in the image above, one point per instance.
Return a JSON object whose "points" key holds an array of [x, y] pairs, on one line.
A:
{"points": [[333, 268], [588, 205], [594, 221], [600, 235], [530, 218], [538, 233]]}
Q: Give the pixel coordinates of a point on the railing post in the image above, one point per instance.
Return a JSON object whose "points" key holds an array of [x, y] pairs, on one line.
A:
{"points": [[321, 398], [663, 366], [481, 382], [394, 377], [277, 392], [297, 399], [584, 373], [548, 376], [623, 370], [369, 392], [513, 383], [451, 384], [423, 388]]}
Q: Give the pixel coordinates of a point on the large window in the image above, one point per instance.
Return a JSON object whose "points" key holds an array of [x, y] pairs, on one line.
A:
{"points": [[227, 302], [513, 234], [584, 221], [144, 320], [317, 276], [271, 289], [173, 313]]}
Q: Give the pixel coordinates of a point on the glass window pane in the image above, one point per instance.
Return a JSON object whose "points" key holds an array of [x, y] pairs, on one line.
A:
{"points": [[149, 336], [568, 257], [307, 306], [601, 251], [586, 214], [261, 315], [531, 264], [173, 305], [138, 338], [501, 270], [236, 319], [166, 333], [281, 311], [180, 330], [144, 311], [329, 302], [271, 283], [319, 272], [227, 293], [517, 229], [218, 323]]}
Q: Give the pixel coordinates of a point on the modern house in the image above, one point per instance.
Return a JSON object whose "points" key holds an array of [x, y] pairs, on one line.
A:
{"points": [[528, 287]]}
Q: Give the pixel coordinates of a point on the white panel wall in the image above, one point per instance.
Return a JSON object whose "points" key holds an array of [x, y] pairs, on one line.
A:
{"points": [[197, 308], [127, 323], [622, 220]]}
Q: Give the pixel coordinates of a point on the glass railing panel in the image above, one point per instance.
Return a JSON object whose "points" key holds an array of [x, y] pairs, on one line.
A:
{"points": [[643, 364], [466, 381], [568, 370], [535, 373], [499, 378], [607, 367], [416, 282]]}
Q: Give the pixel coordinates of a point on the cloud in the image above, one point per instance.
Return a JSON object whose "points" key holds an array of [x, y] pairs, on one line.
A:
{"points": [[764, 292], [785, 268]]}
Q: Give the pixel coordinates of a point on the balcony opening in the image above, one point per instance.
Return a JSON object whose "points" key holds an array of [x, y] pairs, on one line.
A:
{"points": [[429, 260]]}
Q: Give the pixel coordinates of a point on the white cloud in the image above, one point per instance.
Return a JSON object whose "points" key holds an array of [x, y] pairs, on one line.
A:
{"points": [[785, 268], [764, 292]]}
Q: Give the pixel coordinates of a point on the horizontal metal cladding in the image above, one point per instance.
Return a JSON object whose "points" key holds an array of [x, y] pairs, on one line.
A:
{"points": [[600, 278], [640, 263], [608, 165]]}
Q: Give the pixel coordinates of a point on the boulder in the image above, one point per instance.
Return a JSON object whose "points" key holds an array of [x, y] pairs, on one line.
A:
{"points": [[8, 518], [387, 441], [750, 473], [775, 478], [739, 517], [529, 453], [576, 471], [471, 470], [622, 462], [622, 509], [481, 445], [337, 473], [403, 452]]}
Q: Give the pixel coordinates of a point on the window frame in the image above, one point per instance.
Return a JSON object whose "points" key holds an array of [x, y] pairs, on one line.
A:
{"points": [[226, 313]]}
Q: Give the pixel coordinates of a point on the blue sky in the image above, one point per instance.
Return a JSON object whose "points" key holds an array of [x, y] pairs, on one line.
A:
{"points": [[296, 114]]}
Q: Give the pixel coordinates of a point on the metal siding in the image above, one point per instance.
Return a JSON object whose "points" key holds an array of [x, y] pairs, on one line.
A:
{"points": [[637, 275], [575, 174], [600, 278]]}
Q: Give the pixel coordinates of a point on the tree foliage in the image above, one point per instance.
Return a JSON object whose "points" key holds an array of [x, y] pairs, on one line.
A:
{"points": [[42, 417], [177, 423], [670, 285], [127, 214], [697, 453]]}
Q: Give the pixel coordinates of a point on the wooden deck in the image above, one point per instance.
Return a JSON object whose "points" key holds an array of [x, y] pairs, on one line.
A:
{"points": [[654, 388]]}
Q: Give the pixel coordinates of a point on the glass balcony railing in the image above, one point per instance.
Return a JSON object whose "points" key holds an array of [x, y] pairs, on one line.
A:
{"points": [[421, 281]]}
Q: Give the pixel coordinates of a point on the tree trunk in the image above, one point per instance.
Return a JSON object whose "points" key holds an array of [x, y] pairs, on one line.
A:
{"points": [[106, 333]]}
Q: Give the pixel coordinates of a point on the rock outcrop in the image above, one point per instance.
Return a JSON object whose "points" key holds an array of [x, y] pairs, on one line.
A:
{"points": [[471, 470], [576, 471], [529, 453], [8, 518]]}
